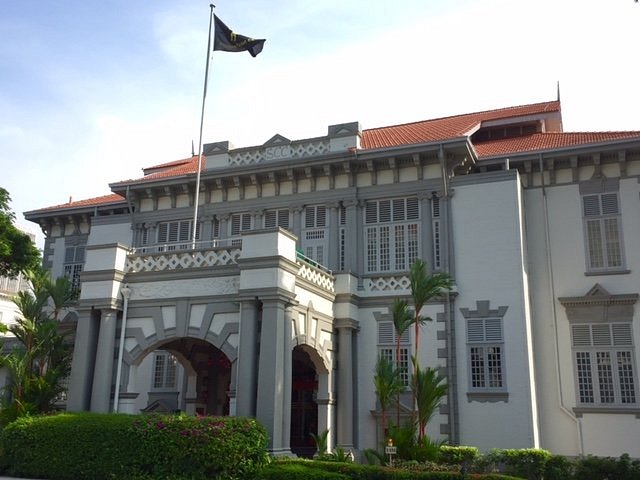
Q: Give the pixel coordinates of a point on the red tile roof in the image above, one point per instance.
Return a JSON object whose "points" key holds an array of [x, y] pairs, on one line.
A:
{"points": [[439, 129], [445, 128], [89, 202], [162, 166], [182, 167], [546, 141]]}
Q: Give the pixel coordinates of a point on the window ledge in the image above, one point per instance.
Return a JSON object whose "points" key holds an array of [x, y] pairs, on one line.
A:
{"points": [[579, 411], [606, 272], [485, 397]]}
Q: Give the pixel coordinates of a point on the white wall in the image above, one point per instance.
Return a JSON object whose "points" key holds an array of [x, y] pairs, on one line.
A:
{"points": [[490, 265], [563, 275]]}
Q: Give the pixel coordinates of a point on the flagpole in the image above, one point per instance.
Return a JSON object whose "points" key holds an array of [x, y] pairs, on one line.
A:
{"points": [[204, 96]]}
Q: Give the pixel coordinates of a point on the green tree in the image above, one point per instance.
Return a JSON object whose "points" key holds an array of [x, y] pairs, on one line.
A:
{"points": [[402, 320], [17, 251], [387, 381], [40, 359], [424, 288], [430, 389]]}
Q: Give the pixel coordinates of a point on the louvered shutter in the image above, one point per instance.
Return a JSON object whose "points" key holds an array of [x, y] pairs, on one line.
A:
{"points": [[475, 330], [591, 205], [610, 204], [385, 333], [270, 219], [622, 335], [601, 335], [581, 335], [493, 330]]}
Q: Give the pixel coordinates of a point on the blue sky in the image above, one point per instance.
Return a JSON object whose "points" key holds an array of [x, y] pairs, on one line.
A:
{"points": [[91, 92]]}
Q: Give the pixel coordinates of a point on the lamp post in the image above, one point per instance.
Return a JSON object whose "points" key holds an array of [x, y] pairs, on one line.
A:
{"points": [[125, 290]]}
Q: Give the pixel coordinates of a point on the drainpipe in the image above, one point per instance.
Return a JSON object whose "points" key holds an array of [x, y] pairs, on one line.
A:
{"points": [[126, 294], [554, 316]]}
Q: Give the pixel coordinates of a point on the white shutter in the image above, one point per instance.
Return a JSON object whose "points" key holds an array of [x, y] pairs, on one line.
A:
{"points": [[270, 219], [309, 217], [493, 330], [413, 209], [321, 216], [283, 218], [581, 335], [399, 209], [435, 207], [371, 214], [385, 333], [385, 210], [475, 330], [591, 205], [601, 335], [246, 222], [235, 224], [610, 204], [622, 335]]}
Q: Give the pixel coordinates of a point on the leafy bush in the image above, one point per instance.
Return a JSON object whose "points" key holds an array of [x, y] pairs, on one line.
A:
{"points": [[558, 467], [525, 462], [101, 446], [297, 470], [597, 468], [457, 455]]}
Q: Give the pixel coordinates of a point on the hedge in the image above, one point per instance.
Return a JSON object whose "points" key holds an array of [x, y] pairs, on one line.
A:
{"points": [[313, 470], [105, 446]]}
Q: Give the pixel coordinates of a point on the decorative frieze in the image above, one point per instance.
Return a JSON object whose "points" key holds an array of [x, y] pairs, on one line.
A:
{"points": [[387, 284], [157, 262]]}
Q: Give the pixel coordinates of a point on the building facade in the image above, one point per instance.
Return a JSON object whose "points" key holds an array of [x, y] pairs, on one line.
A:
{"points": [[276, 305]]}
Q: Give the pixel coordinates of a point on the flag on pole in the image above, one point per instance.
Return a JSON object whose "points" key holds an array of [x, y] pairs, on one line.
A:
{"points": [[227, 40]]}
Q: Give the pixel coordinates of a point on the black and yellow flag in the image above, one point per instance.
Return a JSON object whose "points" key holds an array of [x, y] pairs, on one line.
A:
{"points": [[227, 40]]}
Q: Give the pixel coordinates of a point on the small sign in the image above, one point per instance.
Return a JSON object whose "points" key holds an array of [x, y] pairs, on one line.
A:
{"points": [[390, 450]]}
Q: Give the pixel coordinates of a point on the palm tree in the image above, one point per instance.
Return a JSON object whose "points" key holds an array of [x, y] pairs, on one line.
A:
{"points": [[62, 294], [424, 287], [388, 383], [402, 320], [430, 389], [41, 359]]}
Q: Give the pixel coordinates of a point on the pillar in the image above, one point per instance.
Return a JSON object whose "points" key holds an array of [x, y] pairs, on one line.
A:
{"points": [[247, 375], [272, 380], [84, 354], [345, 382], [103, 371]]}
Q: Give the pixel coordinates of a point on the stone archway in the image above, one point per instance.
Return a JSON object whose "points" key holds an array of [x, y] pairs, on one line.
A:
{"points": [[208, 378], [202, 386]]}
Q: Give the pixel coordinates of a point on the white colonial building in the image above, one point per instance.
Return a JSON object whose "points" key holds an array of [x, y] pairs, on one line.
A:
{"points": [[280, 307]]}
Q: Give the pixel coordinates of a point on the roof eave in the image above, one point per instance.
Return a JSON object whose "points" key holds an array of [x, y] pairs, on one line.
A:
{"points": [[563, 150]]}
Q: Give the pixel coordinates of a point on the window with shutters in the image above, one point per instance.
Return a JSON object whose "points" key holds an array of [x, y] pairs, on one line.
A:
{"points": [[315, 236], [73, 264], [392, 234], [435, 222], [164, 371], [240, 222], [276, 218], [603, 232], [387, 348], [604, 364], [176, 235], [485, 351]]}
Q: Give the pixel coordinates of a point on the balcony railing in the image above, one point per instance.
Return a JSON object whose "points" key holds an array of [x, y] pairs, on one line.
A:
{"points": [[213, 253], [183, 255]]}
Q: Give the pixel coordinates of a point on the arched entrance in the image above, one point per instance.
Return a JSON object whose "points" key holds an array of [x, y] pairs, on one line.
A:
{"points": [[207, 376], [304, 409]]}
